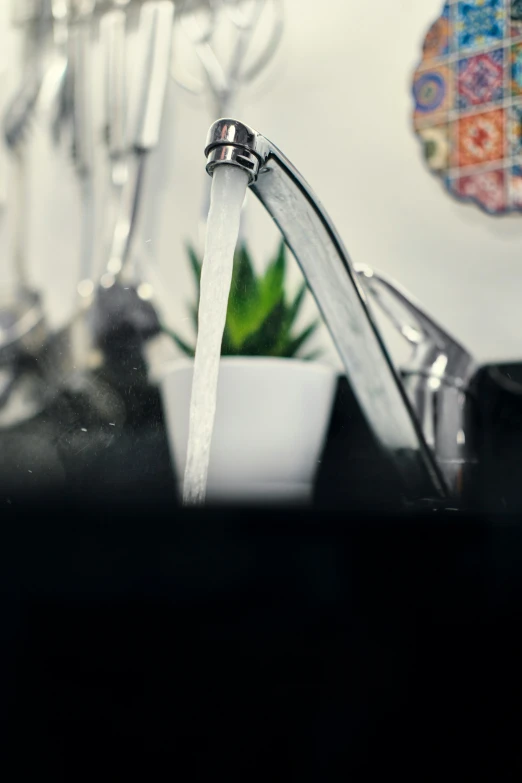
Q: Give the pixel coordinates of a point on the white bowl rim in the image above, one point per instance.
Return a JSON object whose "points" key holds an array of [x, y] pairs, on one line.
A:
{"points": [[313, 366]]}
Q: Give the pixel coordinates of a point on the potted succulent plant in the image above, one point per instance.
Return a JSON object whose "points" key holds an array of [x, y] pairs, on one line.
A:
{"points": [[274, 398]]}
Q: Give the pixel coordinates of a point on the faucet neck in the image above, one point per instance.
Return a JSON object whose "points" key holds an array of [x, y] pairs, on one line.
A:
{"points": [[328, 270]]}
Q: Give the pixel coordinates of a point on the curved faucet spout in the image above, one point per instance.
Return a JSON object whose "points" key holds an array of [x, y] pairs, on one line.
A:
{"points": [[333, 282]]}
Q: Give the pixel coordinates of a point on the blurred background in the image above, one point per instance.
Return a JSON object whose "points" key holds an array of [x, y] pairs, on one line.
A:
{"points": [[106, 106], [337, 100], [133, 641]]}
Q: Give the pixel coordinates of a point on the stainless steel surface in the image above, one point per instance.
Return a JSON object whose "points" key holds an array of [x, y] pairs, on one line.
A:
{"points": [[41, 81], [341, 299], [3, 161], [436, 377], [22, 326], [113, 49], [123, 234], [21, 107], [103, 6], [26, 11], [130, 293], [57, 76], [70, 365], [182, 6], [61, 76], [155, 38], [237, 145], [21, 313], [79, 10], [80, 62], [428, 339], [113, 45]]}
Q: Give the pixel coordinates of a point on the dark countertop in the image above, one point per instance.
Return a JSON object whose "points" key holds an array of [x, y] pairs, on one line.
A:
{"points": [[140, 637], [254, 644]]}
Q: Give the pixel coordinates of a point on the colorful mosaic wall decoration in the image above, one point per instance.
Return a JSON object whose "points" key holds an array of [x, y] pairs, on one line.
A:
{"points": [[468, 101]]}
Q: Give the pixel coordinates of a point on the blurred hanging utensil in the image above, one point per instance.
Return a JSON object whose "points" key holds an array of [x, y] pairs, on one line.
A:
{"points": [[73, 128], [3, 162], [155, 36], [246, 25], [80, 59], [25, 12], [199, 27], [71, 352], [62, 90], [23, 330], [22, 327], [224, 81], [124, 296], [113, 45]]}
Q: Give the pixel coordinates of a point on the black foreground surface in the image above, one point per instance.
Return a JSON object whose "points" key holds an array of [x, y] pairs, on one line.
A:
{"points": [[138, 639], [252, 645]]}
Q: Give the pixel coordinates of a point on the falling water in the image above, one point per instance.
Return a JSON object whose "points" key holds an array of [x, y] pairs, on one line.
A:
{"points": [[228, 193]]}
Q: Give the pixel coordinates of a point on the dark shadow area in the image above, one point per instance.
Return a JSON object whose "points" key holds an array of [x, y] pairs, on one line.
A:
{"points": [[152, 640], [354, 473], [141, 638], [498, 391]]}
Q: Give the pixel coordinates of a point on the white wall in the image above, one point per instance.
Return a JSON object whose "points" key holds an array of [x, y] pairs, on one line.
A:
{"points": [[337, 101]]}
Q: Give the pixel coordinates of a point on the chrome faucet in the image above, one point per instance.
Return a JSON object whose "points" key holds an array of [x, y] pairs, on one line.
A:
{"points": [[394, 408], [436, 377]]}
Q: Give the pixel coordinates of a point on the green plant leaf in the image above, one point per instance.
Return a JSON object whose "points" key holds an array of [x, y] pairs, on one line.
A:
{"points": [[296, 343], [244, 313], [228, 348], [309, 357], [259, 320], [263, 341], [292, 312], [295, 307], [244, 288], [196, 265], [185, 347], [194, 316], [272, 284]]}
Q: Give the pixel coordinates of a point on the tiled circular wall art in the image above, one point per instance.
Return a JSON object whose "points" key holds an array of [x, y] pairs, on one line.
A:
{"points": [[468, 101]]}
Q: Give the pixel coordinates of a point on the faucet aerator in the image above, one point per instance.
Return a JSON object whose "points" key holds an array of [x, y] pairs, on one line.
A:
{"points": [[235, 144], [234, 156]]}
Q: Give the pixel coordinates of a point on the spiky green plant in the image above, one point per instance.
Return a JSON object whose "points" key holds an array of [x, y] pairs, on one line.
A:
{"points": [[260, 318]]}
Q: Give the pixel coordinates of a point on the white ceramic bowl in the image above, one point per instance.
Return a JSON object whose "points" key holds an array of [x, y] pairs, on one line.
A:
{"points": [[271, 423]]}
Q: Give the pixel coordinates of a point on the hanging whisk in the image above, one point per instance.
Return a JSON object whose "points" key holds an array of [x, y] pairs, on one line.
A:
{"points": [[221, 78]]}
